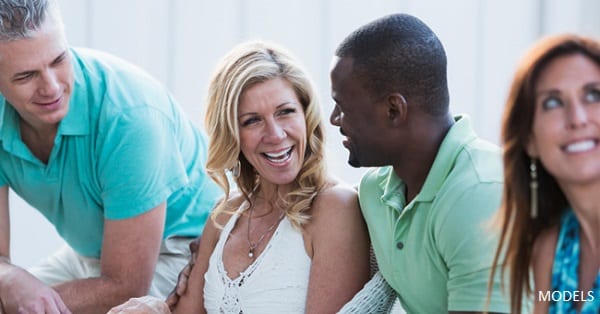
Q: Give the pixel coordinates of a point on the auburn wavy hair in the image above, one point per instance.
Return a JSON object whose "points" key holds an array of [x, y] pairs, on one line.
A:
{"points": [[518, 229]]}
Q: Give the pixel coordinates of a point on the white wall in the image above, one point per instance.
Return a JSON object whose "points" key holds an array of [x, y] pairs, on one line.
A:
{"points": [[179, 42]]}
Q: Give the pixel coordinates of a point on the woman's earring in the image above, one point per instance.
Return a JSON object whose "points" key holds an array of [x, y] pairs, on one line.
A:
{"points": [[533, 186], [235, 171]]}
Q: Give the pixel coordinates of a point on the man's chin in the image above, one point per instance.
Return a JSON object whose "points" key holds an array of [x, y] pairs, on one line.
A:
{"points": [[354, 162]]}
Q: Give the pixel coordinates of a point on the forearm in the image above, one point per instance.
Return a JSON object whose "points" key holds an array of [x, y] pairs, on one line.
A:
{"points": [[192, 300], [130, 252], [96, 295]]}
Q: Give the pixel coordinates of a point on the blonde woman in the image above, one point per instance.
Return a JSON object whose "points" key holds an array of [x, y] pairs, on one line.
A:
{"points": [[290, 239]]}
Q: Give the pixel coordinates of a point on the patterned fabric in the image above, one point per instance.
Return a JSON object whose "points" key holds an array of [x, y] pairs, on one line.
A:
{"points": [[565, 272]]}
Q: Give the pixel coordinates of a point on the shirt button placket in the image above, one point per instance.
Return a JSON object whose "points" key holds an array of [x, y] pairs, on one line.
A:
{"points": [[399, 245]]}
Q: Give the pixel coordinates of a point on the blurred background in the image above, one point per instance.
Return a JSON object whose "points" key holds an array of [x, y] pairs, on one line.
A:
{"points": [[180, 41]]}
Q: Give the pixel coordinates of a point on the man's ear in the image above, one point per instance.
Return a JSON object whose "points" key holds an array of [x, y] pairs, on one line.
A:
{"points": [[397, 108]]}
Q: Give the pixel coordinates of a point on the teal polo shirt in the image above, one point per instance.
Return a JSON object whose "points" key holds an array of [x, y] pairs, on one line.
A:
{"points": [[123, 148], [436, 251]]}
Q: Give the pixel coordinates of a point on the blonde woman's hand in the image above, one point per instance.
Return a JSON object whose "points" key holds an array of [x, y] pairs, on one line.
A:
{"points": [[143, 305]]}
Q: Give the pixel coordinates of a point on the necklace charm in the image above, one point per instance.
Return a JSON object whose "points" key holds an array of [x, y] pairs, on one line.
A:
{"points": [[254, 245]]}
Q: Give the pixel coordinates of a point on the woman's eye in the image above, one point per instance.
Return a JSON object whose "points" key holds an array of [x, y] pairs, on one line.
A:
{"points": [[287, 111], [551, 102], [249, 121], [592, 95]]}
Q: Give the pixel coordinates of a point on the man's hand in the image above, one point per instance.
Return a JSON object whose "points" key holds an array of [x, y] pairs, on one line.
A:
{"points": [[23, 293], [182, 279]]}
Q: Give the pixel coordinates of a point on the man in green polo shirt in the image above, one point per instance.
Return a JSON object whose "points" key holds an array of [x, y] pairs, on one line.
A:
{"points": [[436, 184]]}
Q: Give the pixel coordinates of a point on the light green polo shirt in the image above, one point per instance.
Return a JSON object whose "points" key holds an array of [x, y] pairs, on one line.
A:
{"points": [[436, 251], [124, 147]]}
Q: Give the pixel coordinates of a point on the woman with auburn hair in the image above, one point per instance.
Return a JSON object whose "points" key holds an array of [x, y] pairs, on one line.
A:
{"points": [[550, 214], [289, 239]]}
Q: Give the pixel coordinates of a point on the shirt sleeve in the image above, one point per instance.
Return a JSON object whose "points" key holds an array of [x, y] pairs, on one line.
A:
{"points": [[3, 180], [467, 242], [139, 163]]}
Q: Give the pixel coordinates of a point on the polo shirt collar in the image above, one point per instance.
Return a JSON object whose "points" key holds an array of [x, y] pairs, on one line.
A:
{"points": [[392, 187], [76, 122], [459, 135], [10, 134]]}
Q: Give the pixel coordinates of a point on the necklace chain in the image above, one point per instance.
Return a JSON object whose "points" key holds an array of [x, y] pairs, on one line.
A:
{"points": [[253, 246]]}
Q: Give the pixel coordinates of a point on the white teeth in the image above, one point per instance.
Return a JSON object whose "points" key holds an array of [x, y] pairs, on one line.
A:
{"points": [[580, 146], [279, 157], [276, 156]]}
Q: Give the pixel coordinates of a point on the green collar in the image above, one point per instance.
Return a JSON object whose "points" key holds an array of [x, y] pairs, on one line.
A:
{"points": [[459, 135]]}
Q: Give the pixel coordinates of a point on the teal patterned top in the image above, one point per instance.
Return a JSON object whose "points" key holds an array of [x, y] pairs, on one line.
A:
{"points": [[565, 272]]}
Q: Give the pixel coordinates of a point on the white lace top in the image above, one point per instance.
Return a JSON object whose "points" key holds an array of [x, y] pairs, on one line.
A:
{"points": [[277, 281]]}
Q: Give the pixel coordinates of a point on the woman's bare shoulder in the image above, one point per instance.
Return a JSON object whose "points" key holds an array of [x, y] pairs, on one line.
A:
{"points": [[234, 202], [337, 194], [335, 204]]}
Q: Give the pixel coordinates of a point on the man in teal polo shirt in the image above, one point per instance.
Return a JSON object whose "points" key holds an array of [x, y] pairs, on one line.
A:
{"points": [[436, 186], [106, 155]]}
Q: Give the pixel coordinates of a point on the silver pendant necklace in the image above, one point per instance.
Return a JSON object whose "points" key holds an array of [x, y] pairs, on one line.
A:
{"points": [[252, 246]]}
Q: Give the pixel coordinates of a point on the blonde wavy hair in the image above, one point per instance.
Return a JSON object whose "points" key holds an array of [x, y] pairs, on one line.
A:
{"points": [[246, 65]]}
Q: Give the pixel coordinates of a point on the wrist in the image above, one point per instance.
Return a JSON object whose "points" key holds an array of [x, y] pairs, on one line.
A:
{"points": [[6, 268]]}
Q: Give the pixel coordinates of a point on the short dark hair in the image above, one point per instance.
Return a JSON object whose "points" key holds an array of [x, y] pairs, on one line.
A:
{"points": [[399, 53]]}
